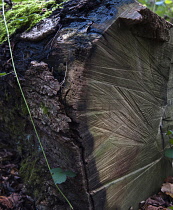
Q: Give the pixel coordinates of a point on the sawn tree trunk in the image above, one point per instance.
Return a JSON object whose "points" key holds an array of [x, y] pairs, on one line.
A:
{"points": [[99, 86]]}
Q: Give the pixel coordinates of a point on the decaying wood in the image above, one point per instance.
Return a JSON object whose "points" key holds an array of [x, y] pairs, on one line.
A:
{"points": [[99, 85]]}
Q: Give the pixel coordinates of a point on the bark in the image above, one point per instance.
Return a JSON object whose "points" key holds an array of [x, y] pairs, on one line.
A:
{"points": [[99, 85]]}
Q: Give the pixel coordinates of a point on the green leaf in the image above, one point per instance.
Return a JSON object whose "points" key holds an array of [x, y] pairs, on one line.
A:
{"points": [[171, 141], [22, 18], [168, 1], [3, 74], [170, 207], [169, 153], [159, 3], [169, 132], [70, 173], [58, 175], [56, 170]]}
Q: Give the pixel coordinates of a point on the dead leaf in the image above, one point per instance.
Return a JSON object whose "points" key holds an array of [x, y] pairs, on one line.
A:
{"points": [[168, 189], [150, 207], [14, 171], [15, 199], [4, 155], [6, 202], [155, 200], [5, 178]]}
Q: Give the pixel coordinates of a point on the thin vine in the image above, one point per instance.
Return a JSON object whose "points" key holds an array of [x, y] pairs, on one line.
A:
{"points": [[26, 103]]}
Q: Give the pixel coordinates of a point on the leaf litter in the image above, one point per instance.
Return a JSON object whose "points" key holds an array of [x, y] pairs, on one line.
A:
{"points": [[13, 194], [162, 200]]}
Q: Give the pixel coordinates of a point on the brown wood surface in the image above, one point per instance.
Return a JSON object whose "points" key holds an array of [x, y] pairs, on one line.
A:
{"points": [[121, 107]]}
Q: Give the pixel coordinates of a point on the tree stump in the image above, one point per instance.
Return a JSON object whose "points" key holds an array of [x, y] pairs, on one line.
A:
{"points": [[98, 81]]}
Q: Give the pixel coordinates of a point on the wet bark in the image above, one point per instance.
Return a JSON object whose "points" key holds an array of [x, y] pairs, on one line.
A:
{"points": [[97, 77]]}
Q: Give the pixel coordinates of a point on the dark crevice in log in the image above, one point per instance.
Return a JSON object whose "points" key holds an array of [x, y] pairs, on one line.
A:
{"points": [[75, 134], [77, 139]]}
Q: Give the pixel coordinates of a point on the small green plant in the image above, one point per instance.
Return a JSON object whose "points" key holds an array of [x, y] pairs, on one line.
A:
{"points": [[164, 8], [4, 74], [169, 151], [44, 109], [59, 176]]}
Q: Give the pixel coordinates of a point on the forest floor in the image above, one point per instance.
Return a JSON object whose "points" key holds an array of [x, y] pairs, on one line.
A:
{"points": [[163, 200], [13, 192]]}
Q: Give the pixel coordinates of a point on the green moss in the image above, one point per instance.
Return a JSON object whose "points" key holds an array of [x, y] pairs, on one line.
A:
{"points": [[24, 15], [44, 109], [34, 175], [10, 116], [28, 170], [24, 109], [36, 193]]}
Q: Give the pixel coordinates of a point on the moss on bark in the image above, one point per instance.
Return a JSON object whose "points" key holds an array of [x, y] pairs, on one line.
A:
{"points": [[25, 15]]}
